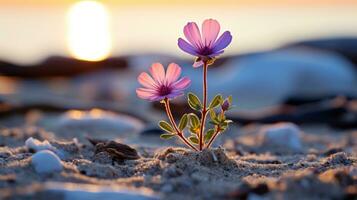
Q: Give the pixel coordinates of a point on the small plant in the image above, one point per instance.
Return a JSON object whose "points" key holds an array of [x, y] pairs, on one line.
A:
{"points": [[163, 86]]}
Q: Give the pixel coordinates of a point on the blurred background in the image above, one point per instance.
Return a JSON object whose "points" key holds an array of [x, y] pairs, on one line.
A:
{"points": [[34, 29], [292, 60]]}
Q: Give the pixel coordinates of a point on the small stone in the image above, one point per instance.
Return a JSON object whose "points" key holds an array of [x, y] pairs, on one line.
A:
{"points": [[36, 145], [46, 162], [285, 135]]}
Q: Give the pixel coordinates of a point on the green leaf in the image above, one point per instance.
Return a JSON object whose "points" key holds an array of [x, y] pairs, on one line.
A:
{"points": [[216, 101], [193, 139], [214, 122], [194, 102], [166, 136], [194, 120], [166, 126], [221, 118], [209, 134], [222, 129], [213, 115], [183, 122], [194, 130]]}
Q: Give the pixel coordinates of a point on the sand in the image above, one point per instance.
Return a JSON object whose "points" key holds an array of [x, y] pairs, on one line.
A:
{"points": [[240, 166]]}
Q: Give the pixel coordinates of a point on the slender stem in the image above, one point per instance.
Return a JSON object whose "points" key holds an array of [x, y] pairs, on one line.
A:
{"points": [[204, 110], [179, 133]]}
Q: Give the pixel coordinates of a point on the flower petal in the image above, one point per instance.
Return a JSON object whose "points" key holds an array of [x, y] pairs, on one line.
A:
{"points": [[222, 41], [146, 80], [210, 30], [186, 47], [193, 35], [157, 98], [216, 53], [145, 93], [158, 72], [181, 84], [174, 94], [173, 73]]}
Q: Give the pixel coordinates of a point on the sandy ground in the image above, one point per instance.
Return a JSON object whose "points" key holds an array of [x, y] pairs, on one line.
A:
{"points": [[241, 166]]}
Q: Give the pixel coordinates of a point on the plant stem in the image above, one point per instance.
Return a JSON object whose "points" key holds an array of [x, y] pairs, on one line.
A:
{"points": [[204, 109], [213, 137], [173, 123]]}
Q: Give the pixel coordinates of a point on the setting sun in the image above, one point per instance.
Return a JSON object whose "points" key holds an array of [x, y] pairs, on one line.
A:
{"points": [[88, 31]]}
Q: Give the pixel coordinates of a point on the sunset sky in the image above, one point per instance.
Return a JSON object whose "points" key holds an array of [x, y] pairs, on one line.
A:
{"points": [[31, 30], [183, 2]]}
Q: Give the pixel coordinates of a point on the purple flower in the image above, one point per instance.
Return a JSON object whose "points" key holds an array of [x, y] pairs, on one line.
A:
{"points": [[162, 85], [204, 45]]}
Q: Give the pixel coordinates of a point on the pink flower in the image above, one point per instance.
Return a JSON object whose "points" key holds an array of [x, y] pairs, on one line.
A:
{"points": [[161, 85], [205, 44]]}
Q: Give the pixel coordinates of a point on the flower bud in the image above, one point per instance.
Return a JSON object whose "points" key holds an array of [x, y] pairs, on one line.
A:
{"points": [[225, 105]]}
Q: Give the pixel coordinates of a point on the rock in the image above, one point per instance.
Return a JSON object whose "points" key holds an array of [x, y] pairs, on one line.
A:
{"points": [[266, 79], [286, 135], [46, 162], [117, 151], [36, 145], [96, 122]]}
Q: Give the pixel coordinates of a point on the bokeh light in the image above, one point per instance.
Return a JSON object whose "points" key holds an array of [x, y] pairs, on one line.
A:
{"points": [[88, 31]]}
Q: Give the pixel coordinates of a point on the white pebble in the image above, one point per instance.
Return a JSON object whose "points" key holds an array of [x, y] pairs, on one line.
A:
{"points": [[37, 145], [46, 162], [282, 134]]}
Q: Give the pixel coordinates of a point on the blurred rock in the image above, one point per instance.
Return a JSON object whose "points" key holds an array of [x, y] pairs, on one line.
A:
{"points": [[96, 122], [286, 135], [346, 46], [36, 145], [265, 79], [46, 162]]}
